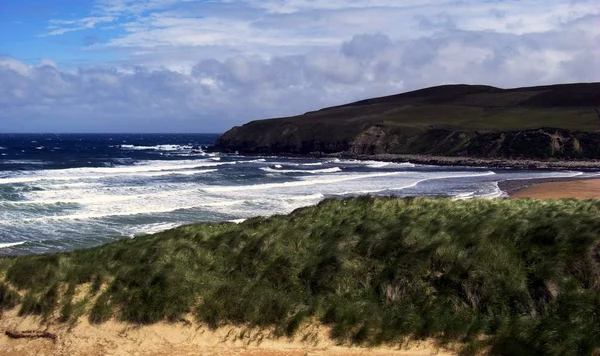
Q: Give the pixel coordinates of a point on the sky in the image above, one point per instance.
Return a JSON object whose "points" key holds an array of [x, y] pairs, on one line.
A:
{"points": [[207, 65]]}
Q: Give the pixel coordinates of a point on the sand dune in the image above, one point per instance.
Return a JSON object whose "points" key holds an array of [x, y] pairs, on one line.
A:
{"points": [[115, 338]]}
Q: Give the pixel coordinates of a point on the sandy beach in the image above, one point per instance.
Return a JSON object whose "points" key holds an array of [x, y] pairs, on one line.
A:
{"points": [[116, 338], [578, 189]]}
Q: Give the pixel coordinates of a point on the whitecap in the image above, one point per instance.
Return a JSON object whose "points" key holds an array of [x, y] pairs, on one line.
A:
{"points": [[237, 221], [161, 168], [314, 171], [159, 147], [11, 244], [463, 196]]}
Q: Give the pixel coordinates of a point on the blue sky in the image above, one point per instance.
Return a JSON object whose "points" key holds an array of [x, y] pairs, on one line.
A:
{"points": [[205, 65]]}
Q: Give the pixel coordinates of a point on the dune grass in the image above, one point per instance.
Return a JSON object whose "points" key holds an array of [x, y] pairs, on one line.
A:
{"points": [[506, 277]]}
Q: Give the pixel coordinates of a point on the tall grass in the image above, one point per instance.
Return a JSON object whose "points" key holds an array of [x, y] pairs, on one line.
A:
{"points": [[508, 277]]}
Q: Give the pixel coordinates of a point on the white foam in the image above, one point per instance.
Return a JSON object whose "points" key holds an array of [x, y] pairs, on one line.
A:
{"points": [[314, 171], [496, 193], [2, 148], [237, 221], [107, 200], [463, 196], [24, 161], [278, 166], [298, 183], [11, 244], [316, 196], [152, 228], [412, 185], [376, 164], [159, 147], [144, 169], [567, 174], [416, 182]]}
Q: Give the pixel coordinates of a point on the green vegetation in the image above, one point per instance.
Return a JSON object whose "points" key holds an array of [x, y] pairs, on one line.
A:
{"points": [[502, 276], [451, 120]]}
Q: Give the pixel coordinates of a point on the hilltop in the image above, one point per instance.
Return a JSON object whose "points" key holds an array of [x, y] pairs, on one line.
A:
{"points": [[543, 122]]}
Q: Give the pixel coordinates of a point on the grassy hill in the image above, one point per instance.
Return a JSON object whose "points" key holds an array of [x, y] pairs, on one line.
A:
{"points": [[458, 120], [512, 277]]}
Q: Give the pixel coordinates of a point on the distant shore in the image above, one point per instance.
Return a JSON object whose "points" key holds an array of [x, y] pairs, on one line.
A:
{"points": [[584, 165], [481, 162]]}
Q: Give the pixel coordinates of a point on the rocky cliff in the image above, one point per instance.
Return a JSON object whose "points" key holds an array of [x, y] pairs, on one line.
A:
{"points": [[557, 121]]}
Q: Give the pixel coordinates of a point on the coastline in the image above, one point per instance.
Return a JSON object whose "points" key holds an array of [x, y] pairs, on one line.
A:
{"points": [[583, 188], [458, 161], [512, 187]]}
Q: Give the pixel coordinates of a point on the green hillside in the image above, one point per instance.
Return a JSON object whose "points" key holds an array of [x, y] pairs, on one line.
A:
{"points": [[461, 116], [510, 277]]}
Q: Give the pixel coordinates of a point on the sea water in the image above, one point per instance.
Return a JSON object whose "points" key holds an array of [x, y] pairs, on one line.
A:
{"points": [[69, 191]]}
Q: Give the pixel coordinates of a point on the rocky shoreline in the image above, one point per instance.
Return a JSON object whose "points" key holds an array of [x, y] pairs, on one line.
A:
{"points": [[587, 165], [584, 165]]}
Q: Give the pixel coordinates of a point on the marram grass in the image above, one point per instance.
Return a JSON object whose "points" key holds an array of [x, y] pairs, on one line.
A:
{"points": [[500, 276]]}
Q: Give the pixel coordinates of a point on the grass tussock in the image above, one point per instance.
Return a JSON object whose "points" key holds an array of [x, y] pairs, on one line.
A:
{"points": [[509, 277]]}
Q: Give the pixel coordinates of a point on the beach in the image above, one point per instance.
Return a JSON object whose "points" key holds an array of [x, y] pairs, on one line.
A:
{"points": [[578, 189], [189, 338]]}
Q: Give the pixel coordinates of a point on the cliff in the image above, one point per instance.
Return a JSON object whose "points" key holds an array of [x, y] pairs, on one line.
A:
{"points": [[557, 121]]}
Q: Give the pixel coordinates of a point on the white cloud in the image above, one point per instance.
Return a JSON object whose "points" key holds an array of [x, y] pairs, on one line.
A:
{"points": [[59, 27], [207, 65]]}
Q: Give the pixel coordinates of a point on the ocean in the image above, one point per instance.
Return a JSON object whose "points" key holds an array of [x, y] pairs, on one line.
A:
{"points": [[60, 192]]}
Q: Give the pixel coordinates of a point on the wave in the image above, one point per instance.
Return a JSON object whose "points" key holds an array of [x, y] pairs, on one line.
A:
{"points": [[153, 228], [24, 161], [567, 174], [412, 185], [300, 183], [312, 164], [12, 244], [109, 172], [415, 183], [496, 193], [88, 216], [2, 148], [237, 221], [375, 164], [161, 147], [307, 197], [141, 208], [314, 171], [173, 173], [463, 196]]}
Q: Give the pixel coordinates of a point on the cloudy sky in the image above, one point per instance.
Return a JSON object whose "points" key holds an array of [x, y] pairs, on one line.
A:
{"points": [[205, 65]]}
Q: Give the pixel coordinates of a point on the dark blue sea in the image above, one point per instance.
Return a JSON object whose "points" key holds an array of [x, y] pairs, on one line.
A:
{"points": [[61, 192]]}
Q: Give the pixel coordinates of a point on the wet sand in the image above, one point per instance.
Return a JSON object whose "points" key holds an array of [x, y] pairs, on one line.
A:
{"points": [[578, 189]]}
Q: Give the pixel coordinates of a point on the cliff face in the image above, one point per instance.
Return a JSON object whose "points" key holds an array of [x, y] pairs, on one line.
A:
{"points": [[475, 121]]}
